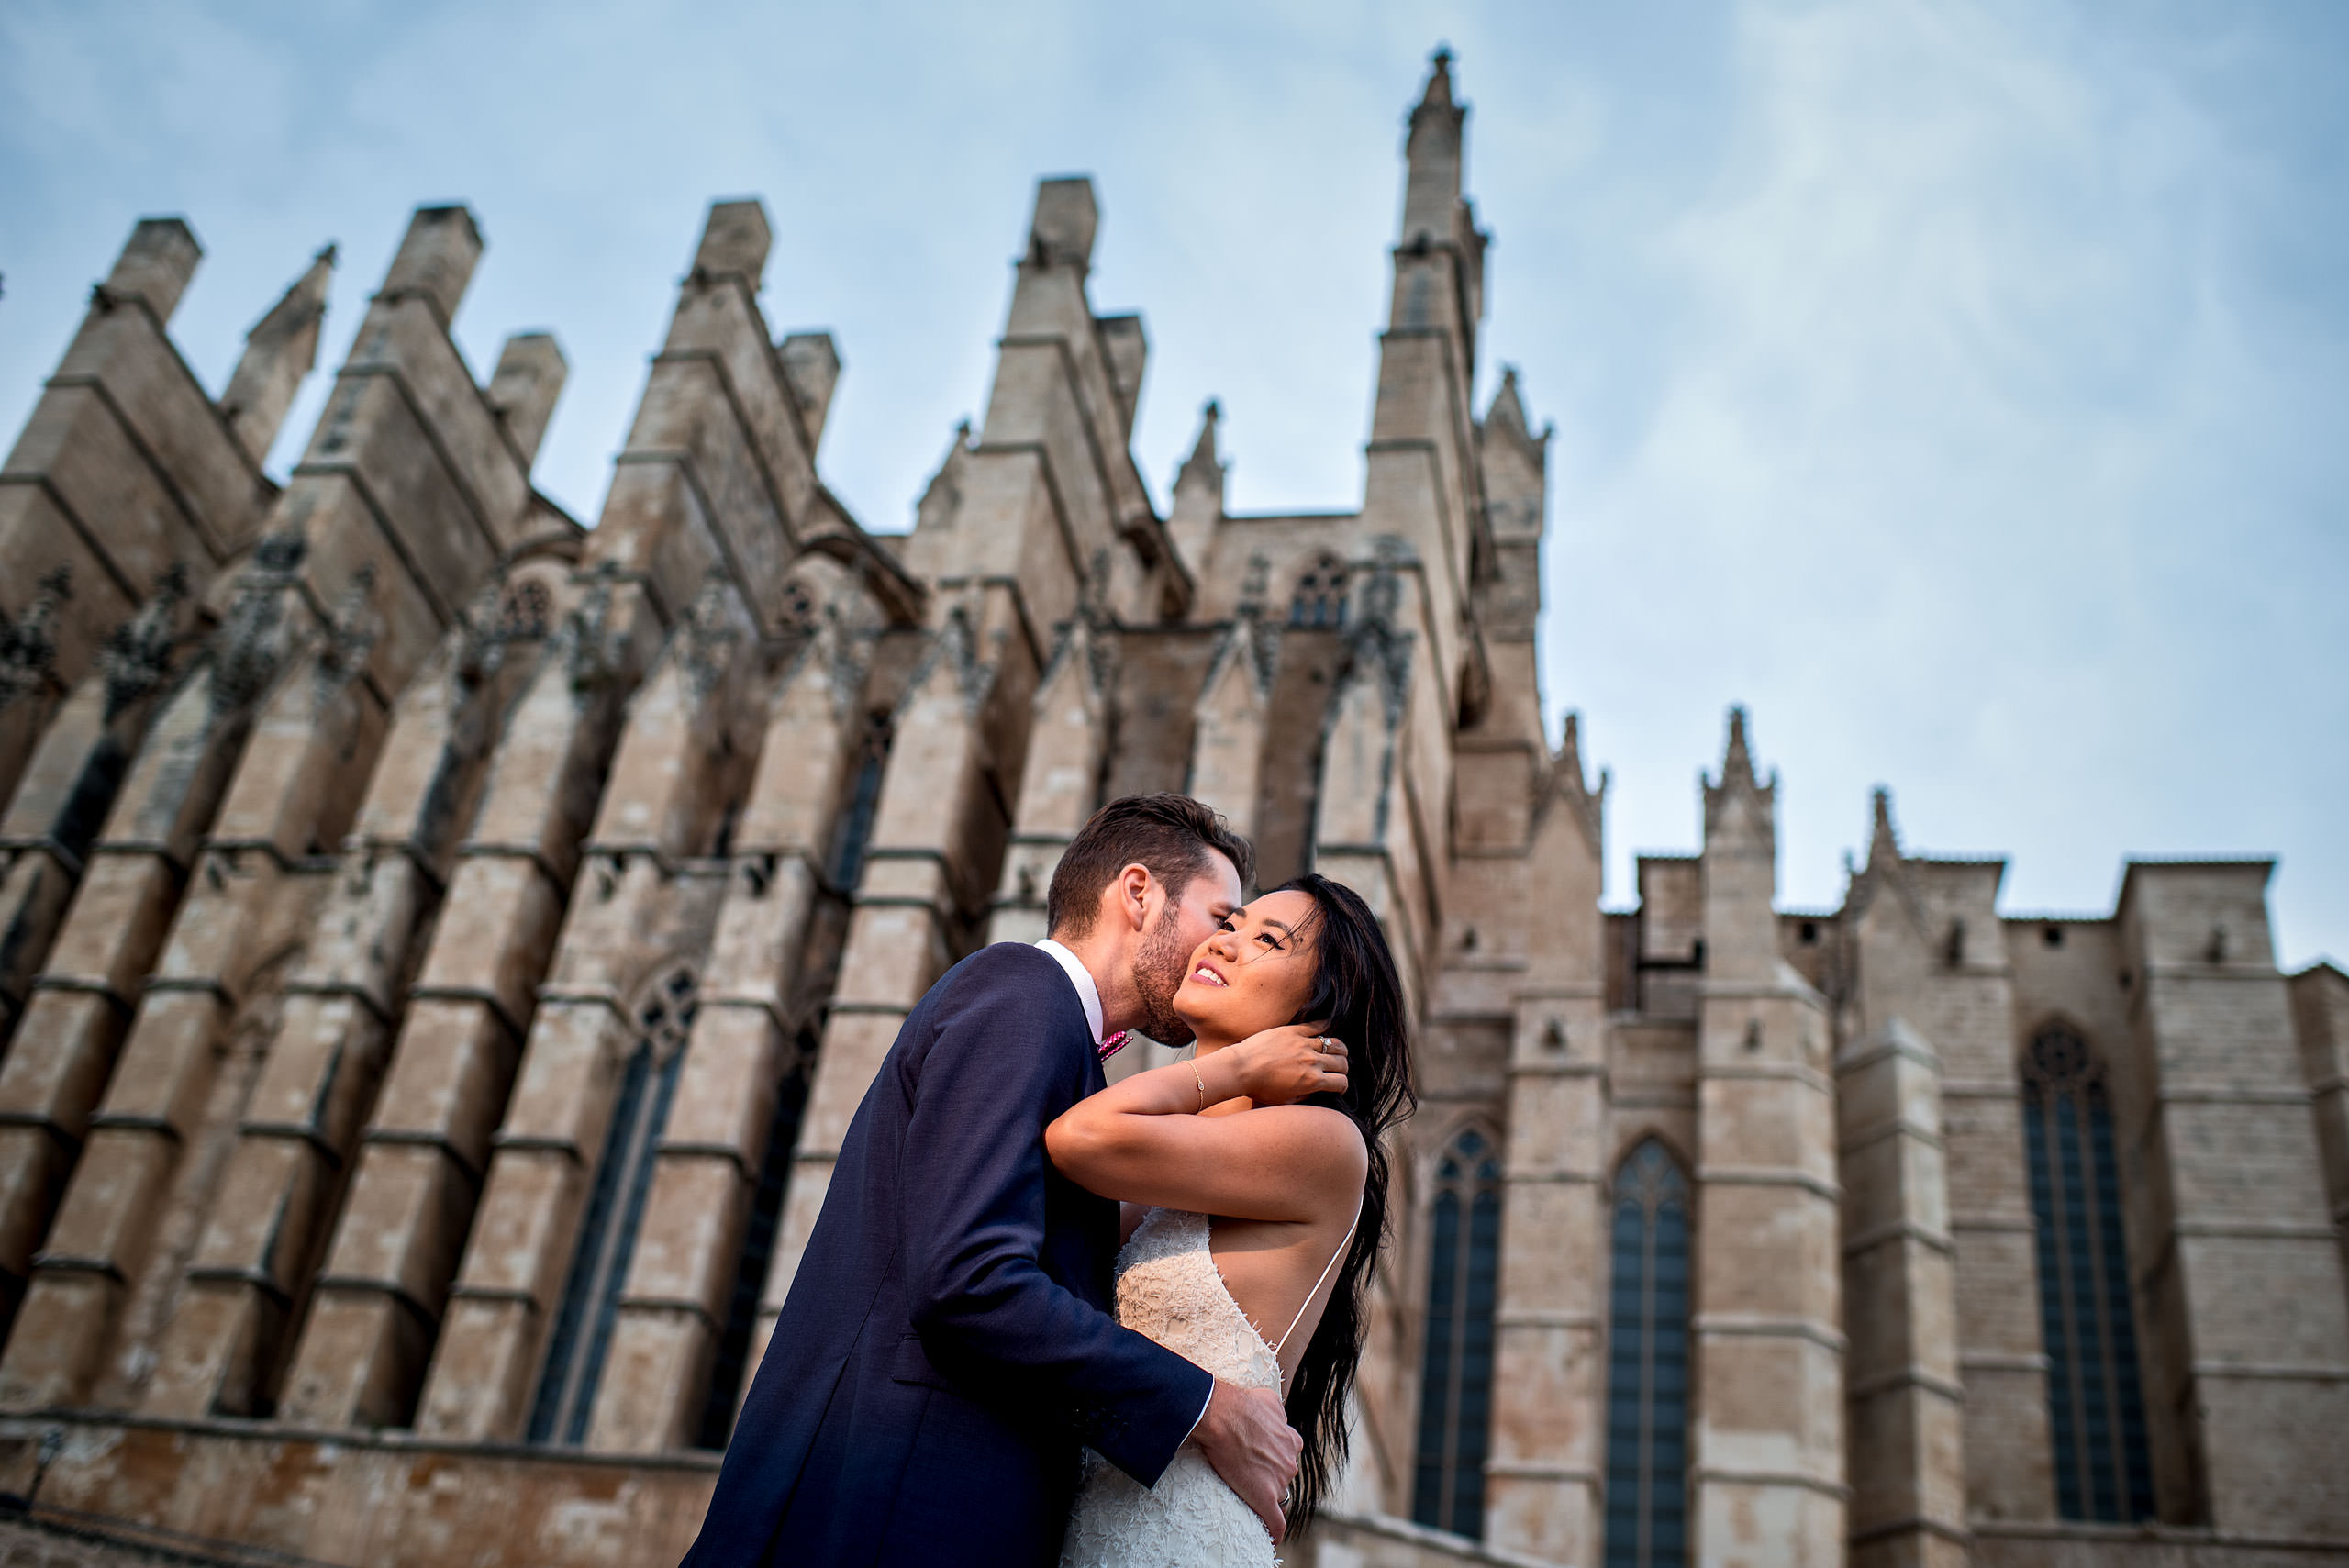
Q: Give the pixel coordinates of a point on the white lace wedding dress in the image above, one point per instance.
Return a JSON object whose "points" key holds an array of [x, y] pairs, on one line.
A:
{"points": [[1169, 1288]]}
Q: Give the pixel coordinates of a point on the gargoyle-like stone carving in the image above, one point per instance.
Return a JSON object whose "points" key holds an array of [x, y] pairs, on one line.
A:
{"points": [[137, 656], [251, 644], [852, 629], [28, 647], [593, 650], [710, 635], [524, 611], [351, 634], [502, 611]]}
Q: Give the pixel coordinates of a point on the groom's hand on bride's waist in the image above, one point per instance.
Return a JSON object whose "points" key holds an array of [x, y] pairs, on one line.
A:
{"points": [[1246, 1436]]}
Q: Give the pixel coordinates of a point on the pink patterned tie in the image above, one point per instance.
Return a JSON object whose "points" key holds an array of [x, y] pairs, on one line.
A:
{"points": [[1114, 1044]]}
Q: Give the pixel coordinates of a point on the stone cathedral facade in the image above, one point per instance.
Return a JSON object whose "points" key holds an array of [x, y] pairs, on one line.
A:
{"points": [[441, 946]]}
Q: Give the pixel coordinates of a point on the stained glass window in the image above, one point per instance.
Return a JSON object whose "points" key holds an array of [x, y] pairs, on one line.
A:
{"points": [[1457, 1372], [1647, 1365], [607, 1226], [2096, 1413]]}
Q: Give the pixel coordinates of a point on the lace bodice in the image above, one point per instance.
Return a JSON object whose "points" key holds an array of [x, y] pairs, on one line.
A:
{"points": [[1168, 1288]]}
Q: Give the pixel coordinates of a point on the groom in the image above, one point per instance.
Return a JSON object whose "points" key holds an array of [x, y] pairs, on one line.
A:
{"points": [[948, 1341]]}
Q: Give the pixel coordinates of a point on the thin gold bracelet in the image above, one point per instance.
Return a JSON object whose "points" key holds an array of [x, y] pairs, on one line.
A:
{"points": [[1201, 1082]]}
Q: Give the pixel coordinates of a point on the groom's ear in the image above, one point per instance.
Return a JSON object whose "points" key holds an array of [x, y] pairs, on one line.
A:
{"points": [[1132, 890]]}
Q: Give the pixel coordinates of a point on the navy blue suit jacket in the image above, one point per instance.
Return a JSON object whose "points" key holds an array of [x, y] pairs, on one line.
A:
{"points": [[948, 1340]]}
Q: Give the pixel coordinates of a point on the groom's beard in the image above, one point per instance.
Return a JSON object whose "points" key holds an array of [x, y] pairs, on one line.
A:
{"points": [[1158, 974]]}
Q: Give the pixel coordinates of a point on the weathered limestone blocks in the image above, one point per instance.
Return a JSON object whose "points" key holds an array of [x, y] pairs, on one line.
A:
{"points": [[313, 738], [126, 475], [60, 802], [410, 472], [636, 918], [811, 367], [1769, 1432], [391, 518], [1054, 386], [1906, 1469], [279, 351], [679, 1322], [720, 431], [1057, 786], [1932, 966], [1369, 829], [356, 1497], [962, 732], [250, 1276], [1231, 721], [522, 390], [1541, 1489], [64, 1050], [2320, 1019], [2240, 1243], [1543, 1479], [76, 489], [379, 1299], [362, 513], [1197, 509]]}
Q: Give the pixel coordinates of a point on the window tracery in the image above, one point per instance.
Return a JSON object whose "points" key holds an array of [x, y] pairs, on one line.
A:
{"points": [[1457, 1367], [2095, 1412], [1320, 597], [582, 1335], [1647, 1364]]}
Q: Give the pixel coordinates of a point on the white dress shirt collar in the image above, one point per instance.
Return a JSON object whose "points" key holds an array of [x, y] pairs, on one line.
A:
{"points": [[1086, 992]]}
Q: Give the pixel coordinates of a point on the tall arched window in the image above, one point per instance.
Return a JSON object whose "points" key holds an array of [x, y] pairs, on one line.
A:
{"points": [[852, 834], [1456, 1374], [1647, 1365], [1319, 599], [607, 1226], [2096, 1415]]}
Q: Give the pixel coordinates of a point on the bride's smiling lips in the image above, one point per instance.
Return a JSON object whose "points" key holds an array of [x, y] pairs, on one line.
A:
{"points": [[1207, 975]]}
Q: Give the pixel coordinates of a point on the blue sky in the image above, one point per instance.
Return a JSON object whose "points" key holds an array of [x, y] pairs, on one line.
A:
{"points": [[1958, 383]]}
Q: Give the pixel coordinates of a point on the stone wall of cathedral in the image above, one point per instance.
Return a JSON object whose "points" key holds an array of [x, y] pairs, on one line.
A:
{"points": [[441, 947]]}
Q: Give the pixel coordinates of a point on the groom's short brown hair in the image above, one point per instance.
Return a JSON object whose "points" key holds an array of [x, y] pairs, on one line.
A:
{"points": [[1170, 834]]}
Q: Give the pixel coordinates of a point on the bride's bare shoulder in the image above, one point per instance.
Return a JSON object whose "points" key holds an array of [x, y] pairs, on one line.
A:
{"points": [[1320, 1135]]}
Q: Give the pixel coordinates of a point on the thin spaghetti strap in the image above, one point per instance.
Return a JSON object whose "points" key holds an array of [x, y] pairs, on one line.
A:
{"points": [[1320, 1283]]}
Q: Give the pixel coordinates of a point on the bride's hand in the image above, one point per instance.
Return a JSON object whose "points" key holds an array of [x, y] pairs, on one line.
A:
{"points": [[1281, 1066]]}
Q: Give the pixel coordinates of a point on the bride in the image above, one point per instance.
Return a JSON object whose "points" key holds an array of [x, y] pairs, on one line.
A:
{"points": [[1255, 1205]]}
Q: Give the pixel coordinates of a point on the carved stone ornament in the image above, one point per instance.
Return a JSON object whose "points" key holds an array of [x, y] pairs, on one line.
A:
{"points": [[1252, 586], [955, 649], [850, 630], [28, 647], [1379, 649], [351, 632], [594, 652], [708, 635], [137, 656], [251, 644]]}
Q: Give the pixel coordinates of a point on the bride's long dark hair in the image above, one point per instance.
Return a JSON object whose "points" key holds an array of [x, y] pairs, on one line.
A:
{"points": [[1356, 988]]}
